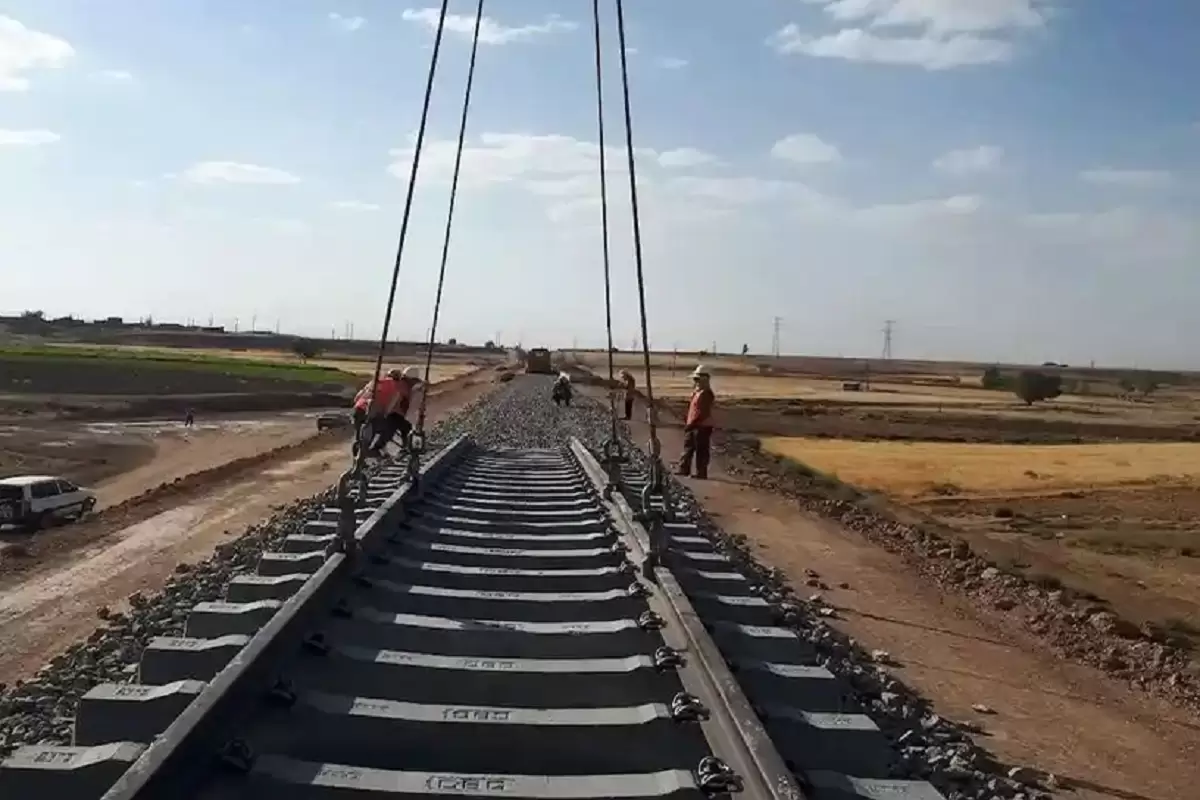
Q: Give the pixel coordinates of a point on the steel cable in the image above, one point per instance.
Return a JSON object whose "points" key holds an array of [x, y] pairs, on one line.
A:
{"points": [[655, 446], [360, 458], [608, 324], [462, 136]]}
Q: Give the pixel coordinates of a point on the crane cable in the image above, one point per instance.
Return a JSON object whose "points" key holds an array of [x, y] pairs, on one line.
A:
{"points": [[419, 433], [418, 146], [657, 480], [612, 453], [347, 499]]}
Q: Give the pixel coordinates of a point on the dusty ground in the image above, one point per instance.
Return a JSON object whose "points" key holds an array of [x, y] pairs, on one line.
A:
{"points": [[123, 459], [56, 602], [1103, 739]]}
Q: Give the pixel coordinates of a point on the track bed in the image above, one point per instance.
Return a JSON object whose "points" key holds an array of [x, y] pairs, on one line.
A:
{"points": [[494, 634]]}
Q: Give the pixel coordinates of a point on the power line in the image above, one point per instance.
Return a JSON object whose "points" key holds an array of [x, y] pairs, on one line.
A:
{"points": [[887, 339], [775, 323]]}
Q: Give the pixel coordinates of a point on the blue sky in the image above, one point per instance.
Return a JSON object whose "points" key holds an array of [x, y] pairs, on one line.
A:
{"points": [[1008, 179]]}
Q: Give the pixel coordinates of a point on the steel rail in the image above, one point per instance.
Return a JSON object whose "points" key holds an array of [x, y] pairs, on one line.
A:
{"points": [[169, 764], [737, 736]]}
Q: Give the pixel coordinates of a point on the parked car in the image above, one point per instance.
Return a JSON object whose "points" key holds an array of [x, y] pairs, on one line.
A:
{"points": [[34, 501], [328, 421]]}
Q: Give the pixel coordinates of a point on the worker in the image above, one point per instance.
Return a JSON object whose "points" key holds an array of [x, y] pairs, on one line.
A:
{"points": [[189, 418], [561, 392], [395, 420], [698, 426], [385, 417], [628, 384]]}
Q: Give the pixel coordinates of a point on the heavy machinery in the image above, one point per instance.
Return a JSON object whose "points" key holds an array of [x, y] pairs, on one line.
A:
{"points": [[538, 362]]}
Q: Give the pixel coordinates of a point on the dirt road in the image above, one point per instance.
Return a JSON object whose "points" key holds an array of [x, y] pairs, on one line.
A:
{"points": [[57, 603], [1101, 739]]}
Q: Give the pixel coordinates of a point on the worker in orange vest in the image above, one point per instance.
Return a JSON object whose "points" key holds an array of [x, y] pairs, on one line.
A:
{"points": [[698, 427], [386, 415], [628, 384]]}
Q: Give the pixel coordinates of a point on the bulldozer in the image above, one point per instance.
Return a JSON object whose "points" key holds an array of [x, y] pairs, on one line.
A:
{"points": [[539, 362]]}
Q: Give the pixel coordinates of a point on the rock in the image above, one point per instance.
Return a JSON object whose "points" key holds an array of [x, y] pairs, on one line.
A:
{"points": [[1004, 604], [980, 708], [1025, 776], [990, 574]]}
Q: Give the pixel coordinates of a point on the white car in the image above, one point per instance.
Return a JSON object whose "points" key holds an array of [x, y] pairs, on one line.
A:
{"points": [[33, 501]]}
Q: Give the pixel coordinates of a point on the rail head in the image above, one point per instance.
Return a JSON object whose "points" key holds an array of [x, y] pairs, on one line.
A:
{"points": [[190, 745], [738, 738]]}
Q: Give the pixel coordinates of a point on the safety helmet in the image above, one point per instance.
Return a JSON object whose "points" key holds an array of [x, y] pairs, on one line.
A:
{"points": [[700, 371]]}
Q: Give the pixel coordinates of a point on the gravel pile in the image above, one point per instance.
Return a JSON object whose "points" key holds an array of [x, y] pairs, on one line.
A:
{"points": [[521, 414]]}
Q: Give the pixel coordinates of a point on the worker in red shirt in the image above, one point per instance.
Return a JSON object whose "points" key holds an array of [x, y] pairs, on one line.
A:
{"points": [[386, 416], [698, 427]]}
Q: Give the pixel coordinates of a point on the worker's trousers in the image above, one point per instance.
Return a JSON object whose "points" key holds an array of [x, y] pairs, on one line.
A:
{"points": [[697, 445], [629, 405]]}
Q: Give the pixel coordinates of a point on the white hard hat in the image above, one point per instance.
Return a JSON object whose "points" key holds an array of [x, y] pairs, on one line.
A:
{"points": [[411, 372], [700, 371]]}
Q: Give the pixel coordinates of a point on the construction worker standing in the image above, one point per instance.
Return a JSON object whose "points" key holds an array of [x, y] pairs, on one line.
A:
{"points": [[628, 384], [698, 427]]}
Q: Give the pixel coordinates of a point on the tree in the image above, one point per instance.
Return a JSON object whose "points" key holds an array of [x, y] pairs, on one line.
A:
{"points": [[1146, 382], [489, 345], [992, 379], [452, 342], [745, 349], [306, 348], [33, 315], [1032, 386]]}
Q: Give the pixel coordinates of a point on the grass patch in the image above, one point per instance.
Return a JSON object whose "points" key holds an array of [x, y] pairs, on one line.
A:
{"points": [[909, 469], [177, 360]]}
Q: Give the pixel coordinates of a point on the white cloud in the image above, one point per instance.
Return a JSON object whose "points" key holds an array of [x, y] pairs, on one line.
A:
{"points": [[347, 24], [805, 148], [685, 157], [671, 62], [30, 138], [927, 52], [354, 205], [212, 172], [114, 76], [490, 31], [939, 34], [983, 158], [1130, 178], [23, 50], [942, 16]]}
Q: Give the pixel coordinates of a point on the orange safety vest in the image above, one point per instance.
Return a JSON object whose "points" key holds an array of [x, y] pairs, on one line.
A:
{"points": [[388, 390], [700, 408]]}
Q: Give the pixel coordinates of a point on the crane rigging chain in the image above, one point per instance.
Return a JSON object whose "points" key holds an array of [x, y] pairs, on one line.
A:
{"points": [[347, 499], [417, 440], [654, 518], [612, 455]]}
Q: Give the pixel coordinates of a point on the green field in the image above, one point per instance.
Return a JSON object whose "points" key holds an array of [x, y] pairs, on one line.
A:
{"points": [[146, 360]]}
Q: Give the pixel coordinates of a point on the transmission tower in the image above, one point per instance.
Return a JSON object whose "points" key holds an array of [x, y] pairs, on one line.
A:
{"points": [[888, 325], [775, 323]]}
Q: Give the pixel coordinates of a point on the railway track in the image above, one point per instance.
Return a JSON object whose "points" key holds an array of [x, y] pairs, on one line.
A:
{"points": [[494, 635]]}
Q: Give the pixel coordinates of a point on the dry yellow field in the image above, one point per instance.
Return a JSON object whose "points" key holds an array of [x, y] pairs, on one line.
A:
{"points": [[679, 384], [919, 469]]}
